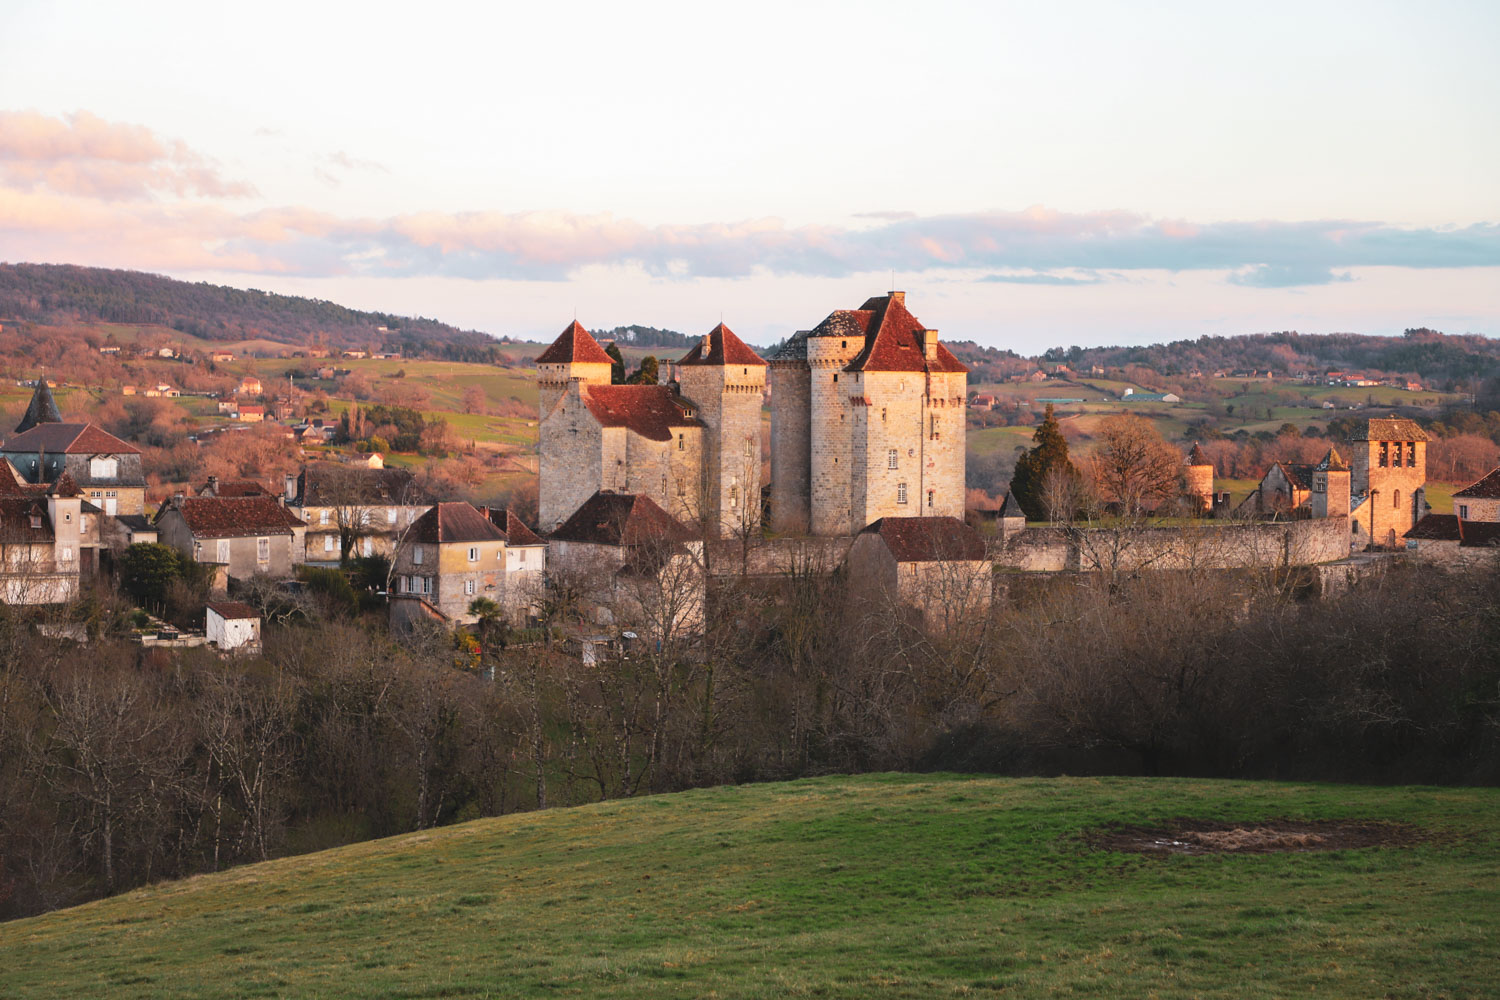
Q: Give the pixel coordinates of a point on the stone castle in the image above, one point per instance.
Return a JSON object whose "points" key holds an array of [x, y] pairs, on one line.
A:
{"points": [[867, 421]]}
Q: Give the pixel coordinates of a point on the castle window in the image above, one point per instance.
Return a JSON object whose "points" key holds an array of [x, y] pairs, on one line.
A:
{"points": [[1396, 499], [734, 498], [682, 442], [882, 414], [835, 376], [901, 493], [1463, 511], [682, 487], [843, 343], [263, 550], [1411, 454], [473, 553], [663, 485], [1385, 454], [890, 459], [930, 498], [934, 427]]}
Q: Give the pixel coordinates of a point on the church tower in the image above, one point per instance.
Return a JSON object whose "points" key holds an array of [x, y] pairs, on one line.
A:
{"points": [[575, 356], [726, 380]]}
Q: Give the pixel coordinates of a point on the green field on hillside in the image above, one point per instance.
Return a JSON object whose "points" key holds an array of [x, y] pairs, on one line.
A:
{"points": [[875, 886]]}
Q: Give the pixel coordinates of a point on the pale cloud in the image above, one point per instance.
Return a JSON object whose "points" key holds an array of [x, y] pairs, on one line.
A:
{"points": [[84, 155]]}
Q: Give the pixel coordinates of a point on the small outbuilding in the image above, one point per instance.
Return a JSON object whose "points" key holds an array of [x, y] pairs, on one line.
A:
{"points": [[233, 626]]}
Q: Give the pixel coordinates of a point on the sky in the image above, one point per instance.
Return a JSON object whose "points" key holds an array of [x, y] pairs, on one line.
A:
{"points": [[1031, 174]]}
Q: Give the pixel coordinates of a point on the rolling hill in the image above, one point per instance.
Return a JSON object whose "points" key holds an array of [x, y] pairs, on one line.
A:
{"points": [[882, 885]]}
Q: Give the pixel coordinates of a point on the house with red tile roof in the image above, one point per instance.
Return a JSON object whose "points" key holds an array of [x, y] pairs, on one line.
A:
{"points": [[1479, 501], [249, 536], [107, 469], [692, 447], [455, 554], [867, 418], [639, 569], [936, 568]]}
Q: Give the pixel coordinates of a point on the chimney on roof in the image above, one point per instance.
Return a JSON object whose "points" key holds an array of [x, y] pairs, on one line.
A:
{"points": [[213, 485], [708, 343], [289, 486], [929, 344], [898, 297], [177, 501]]}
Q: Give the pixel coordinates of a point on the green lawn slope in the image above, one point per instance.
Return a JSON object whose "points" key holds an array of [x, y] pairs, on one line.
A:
{"points": [[876, 886]]}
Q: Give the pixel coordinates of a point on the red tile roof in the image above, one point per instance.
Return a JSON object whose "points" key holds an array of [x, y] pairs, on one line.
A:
{"points": [[928, 539], [454, 522], [1487, 488], [514, 529], [220, 517], [15, 520], [621, 519], [574, 344], [70, 439], [1436, 527], [1481, 534], [329, 484], [652, 411], [724, 348], [233, 610], [893, 341]]}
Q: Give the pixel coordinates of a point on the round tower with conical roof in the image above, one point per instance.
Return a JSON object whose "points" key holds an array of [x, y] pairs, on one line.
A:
{"points": [[1198, 474]]}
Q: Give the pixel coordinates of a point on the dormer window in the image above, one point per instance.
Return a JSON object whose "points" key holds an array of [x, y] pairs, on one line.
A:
{"points": [[36, 520]]}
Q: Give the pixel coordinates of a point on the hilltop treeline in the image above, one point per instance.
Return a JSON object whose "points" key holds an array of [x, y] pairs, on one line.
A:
{"points": [[1449, 360], [124, 765], [55, 294]]}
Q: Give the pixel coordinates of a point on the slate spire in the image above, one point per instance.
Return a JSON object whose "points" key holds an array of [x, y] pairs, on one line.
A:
{"points": [[42, 409]]}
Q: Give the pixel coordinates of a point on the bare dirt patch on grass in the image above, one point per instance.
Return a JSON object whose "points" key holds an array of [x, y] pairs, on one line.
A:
{"points": [[1272, 836]]}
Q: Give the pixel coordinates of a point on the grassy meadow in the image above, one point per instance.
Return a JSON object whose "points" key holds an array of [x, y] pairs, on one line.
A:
{"points": [[874, 886]]}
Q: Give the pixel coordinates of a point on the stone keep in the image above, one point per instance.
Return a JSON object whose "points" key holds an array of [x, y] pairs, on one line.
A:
{"points": [[867, 421]]}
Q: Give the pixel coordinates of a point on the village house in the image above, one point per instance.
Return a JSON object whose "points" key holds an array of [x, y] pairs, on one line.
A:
{"points": [[250, 536], [250, 413], [249, 386], [1479, 501], [221, 356], [106, 469], [363, 510], [639, 568], [455, 554], [935, 566], [1451, 540], [43, 540]]}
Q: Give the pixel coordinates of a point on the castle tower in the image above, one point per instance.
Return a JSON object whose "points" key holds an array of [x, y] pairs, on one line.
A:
{"points": [[1389, 468], [791, 437], [725, 380], [1199, 481], [1330, 496], [574, 356], [830, 347]]}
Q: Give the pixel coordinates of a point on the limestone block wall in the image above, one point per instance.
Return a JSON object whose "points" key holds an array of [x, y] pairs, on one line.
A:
{"points": [[888, 447], [831, 433], [1330, 497], [1477, 508], [943, 464], [791, 447], [778, 556], [553, 381], [1199, 486], [728, 398], [1231, 546], [571, 464], [1391, 510]]}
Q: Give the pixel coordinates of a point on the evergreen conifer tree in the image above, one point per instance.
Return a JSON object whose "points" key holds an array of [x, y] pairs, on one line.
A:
{"points": [[648, 372], [617, 367], [1028, 485]]}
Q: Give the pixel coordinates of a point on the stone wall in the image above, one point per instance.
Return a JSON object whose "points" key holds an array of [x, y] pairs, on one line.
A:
{"points": [[1477, 508], [791, 447], [728, 398], [830, 427], [1219, 546], [778, 556]]}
